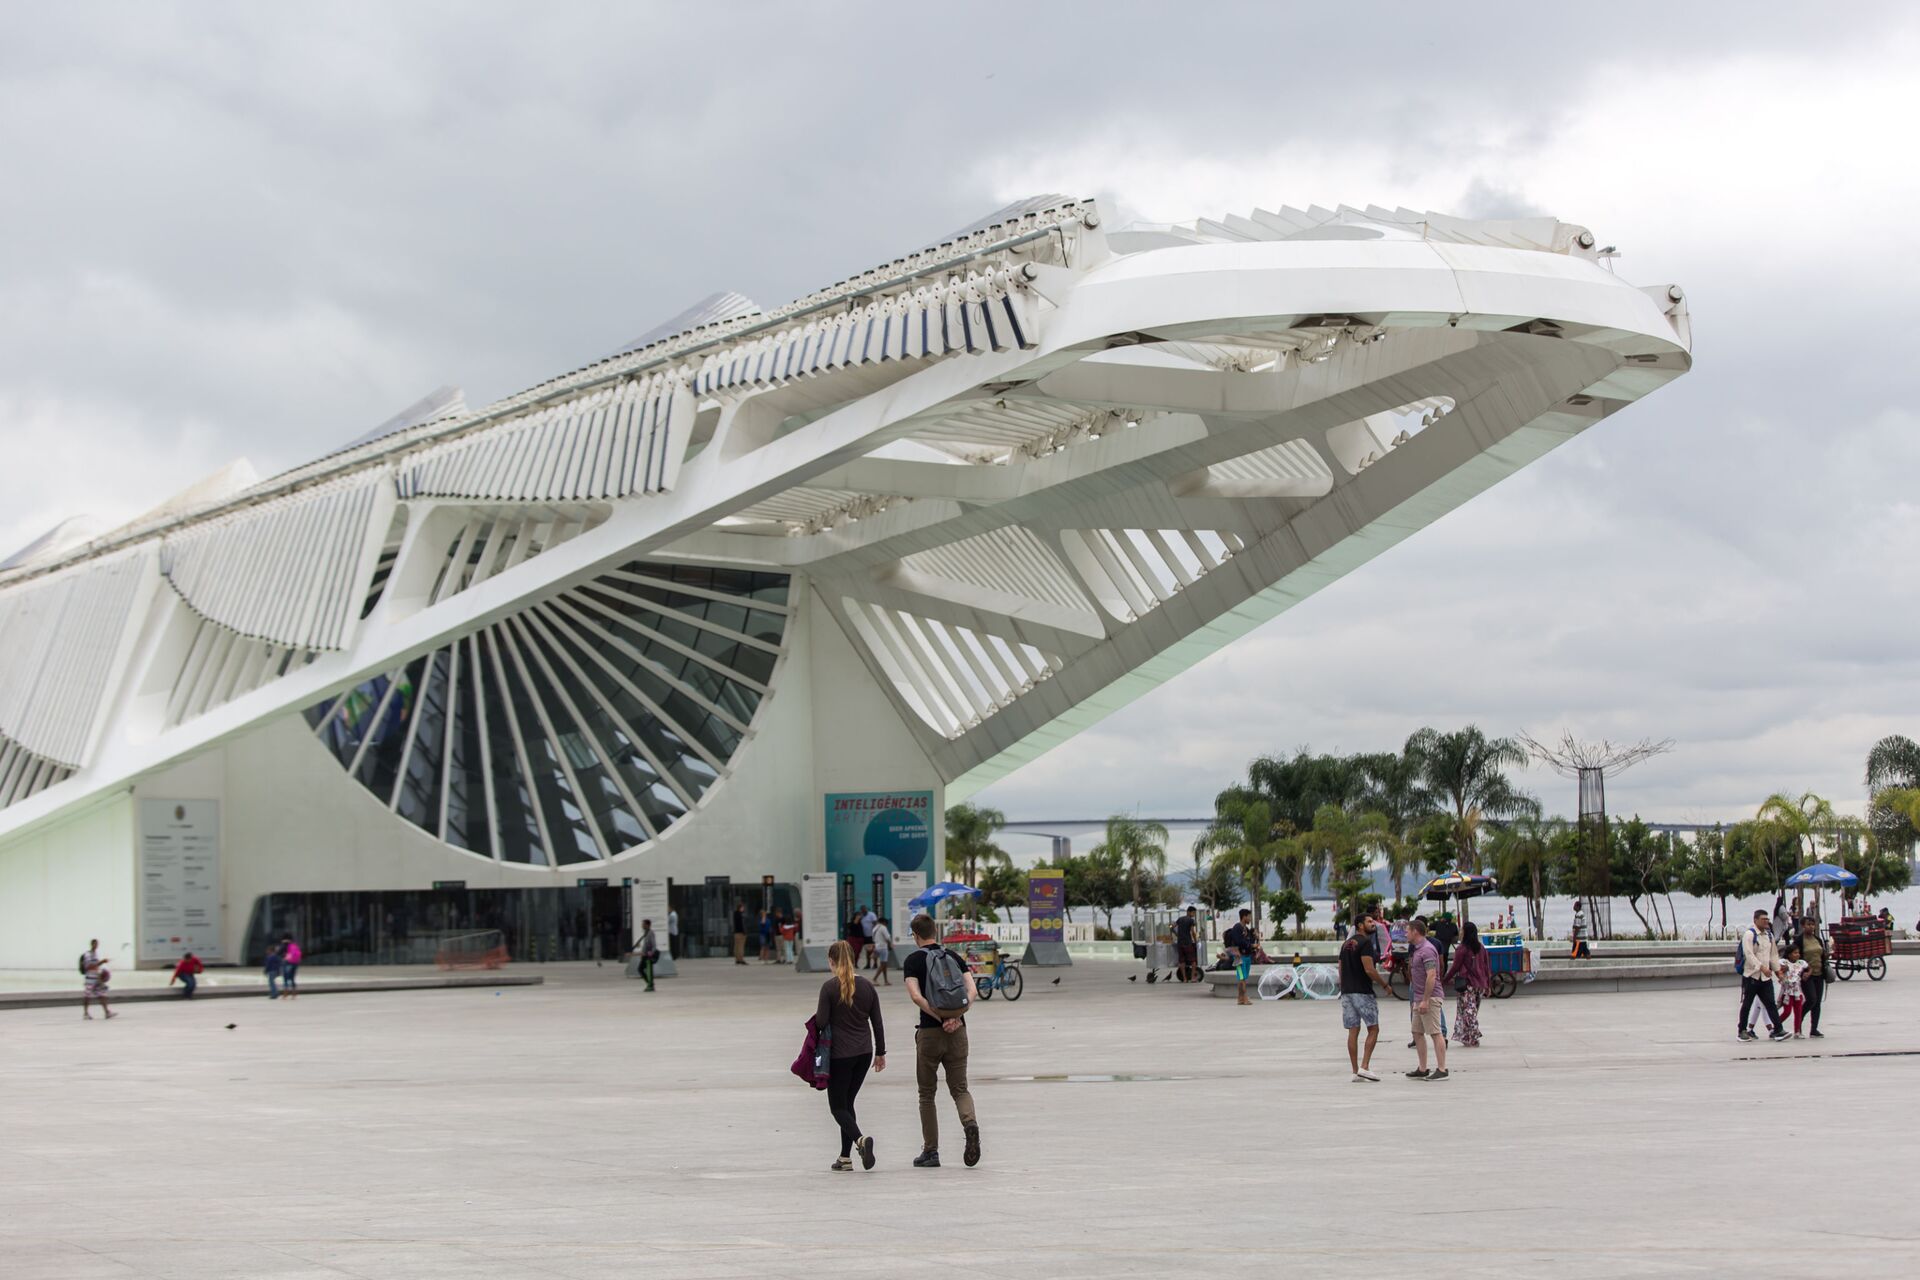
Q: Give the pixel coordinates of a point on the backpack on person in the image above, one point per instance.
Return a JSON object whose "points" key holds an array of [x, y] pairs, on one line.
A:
{"points": [[947, 990], [83, 964]]}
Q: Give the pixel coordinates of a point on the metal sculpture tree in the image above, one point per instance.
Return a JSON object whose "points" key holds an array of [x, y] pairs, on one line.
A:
{"points": [[1588, 763]]}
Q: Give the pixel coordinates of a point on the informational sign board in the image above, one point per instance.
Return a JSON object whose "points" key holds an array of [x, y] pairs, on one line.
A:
{"points": [[180, 880], [1046, 918], [904, 887], [819, 919], [650, 903], [873, 833]]}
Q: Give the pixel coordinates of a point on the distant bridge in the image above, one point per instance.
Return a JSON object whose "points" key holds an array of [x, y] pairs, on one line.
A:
{"points": [[1063, 830]]}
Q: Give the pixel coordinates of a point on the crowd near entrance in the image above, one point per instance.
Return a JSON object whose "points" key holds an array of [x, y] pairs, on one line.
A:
{"points": [[705, 912]]}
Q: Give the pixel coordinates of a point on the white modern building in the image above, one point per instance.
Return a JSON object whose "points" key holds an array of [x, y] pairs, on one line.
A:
{"points": [[762, 593]]}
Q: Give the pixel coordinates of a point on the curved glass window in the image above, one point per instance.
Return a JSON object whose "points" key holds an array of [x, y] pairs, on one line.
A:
{"points": [[577, 729]]}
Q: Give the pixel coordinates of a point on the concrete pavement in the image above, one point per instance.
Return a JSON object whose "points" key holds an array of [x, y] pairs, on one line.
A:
{"points": [[585, 1129]]}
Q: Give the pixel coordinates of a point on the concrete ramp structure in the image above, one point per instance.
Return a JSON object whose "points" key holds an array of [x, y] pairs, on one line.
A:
{"points": [[903, 534]]}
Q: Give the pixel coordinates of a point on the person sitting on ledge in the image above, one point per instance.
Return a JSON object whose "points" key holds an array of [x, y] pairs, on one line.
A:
{"points": [[186, 973]]}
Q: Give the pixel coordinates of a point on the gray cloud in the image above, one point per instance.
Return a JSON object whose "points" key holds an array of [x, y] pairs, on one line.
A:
{"points": [[230, 232]]}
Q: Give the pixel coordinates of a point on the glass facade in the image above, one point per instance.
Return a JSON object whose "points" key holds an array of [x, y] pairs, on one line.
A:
{"points": [[411, 926], [577, 729]]}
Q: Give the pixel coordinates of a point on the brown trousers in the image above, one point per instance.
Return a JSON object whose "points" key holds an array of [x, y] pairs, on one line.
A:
{"points": [[932, 1050]]}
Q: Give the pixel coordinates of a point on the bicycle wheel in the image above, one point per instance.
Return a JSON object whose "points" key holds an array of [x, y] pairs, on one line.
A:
{"points": [[1397, 982], [985, 984], [1845, 970], [1011, 983], [1877, 968], [1504, 985]]}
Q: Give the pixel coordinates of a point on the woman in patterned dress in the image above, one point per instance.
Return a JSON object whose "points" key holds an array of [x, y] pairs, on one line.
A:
{"points": [[1471, 967]]}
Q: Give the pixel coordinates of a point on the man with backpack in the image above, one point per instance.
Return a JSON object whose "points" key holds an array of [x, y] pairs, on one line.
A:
{"points": [[1757, 962], [939, 984]]}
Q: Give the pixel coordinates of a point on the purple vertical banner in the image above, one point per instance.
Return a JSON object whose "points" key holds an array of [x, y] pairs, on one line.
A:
{"points": [[1046, 905]]}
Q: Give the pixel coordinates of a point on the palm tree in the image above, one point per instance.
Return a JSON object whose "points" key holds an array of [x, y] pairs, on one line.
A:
{"points": [[1894, 762], [1242, 837], [970, 846], [1783, 820], [1522, 853], [1141, 848], [1342, 845], [1467, 771]]}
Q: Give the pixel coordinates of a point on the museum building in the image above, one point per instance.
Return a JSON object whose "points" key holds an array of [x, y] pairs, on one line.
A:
{"points": [[762, 592]]}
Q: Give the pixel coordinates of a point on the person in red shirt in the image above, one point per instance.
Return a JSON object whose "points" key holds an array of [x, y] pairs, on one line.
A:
{"points": [[186, 973]]}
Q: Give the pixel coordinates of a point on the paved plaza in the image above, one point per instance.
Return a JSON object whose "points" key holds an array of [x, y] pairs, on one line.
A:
{"points": [[585, 1129]]}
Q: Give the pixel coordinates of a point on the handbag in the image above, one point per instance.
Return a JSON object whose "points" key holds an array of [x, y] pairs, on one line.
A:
{"points": [[815, 1063]]}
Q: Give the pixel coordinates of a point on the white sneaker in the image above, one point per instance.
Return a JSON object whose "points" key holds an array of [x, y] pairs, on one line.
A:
{"points": [[1364, 1074]]}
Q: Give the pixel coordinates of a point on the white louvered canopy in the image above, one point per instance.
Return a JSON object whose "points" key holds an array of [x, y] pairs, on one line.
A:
{"points": [[58, 640], [627, 439], [289, 571]]}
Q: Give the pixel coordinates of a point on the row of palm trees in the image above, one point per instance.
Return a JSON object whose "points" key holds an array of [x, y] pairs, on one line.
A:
{"points": [[1446, 798], [1334, 817]]}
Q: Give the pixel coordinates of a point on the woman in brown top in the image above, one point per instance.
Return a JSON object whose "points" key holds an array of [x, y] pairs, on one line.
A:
{"points": [[848, 1005]]}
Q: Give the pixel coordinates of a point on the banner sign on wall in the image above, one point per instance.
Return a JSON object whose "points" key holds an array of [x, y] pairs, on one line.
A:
{"points": [[903, 887], [180, 880], [872, 833], [819, 919], [1046, 917]]}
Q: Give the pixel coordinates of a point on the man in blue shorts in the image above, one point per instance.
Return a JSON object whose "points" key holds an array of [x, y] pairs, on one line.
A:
{"points": [[1358, 1007], [1241, 945]]}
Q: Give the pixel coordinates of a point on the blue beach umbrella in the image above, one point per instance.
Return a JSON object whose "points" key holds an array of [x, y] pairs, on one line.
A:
{"points": [[939, 893], [1822, 875]]}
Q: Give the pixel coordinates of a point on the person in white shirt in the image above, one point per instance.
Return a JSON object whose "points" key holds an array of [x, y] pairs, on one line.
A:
{"points": [[867, 923], [673, 933], [1759, 965], [882, 938]]}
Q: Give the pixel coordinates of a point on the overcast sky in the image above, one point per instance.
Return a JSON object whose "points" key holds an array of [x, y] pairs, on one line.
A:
{"points": [[258, 231]]}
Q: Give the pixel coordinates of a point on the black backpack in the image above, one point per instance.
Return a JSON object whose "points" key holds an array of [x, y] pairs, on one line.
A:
{"points": [[83, 964]]}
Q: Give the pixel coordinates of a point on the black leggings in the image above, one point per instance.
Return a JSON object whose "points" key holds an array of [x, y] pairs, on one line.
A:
{"points": [[1760, 989], [844, 1079], [1816, 989]]}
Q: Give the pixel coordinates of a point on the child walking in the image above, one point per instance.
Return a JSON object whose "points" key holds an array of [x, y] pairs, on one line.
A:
{"points": [[1793, 995]]}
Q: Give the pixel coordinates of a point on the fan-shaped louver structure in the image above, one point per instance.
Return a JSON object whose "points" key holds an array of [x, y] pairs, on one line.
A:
{"points": [[576, 729]]}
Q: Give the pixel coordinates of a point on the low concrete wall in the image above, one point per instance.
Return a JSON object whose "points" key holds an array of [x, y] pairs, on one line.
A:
{"points": [[258, 990]]}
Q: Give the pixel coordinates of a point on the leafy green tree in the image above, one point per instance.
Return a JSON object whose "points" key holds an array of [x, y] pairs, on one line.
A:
{"points": [[1287, 901], [1096, 880], [1001, 887], [1432, 849], [1466, 773], [1217, 887], [1641, 862], [1709, 871], [1140, 846]]}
